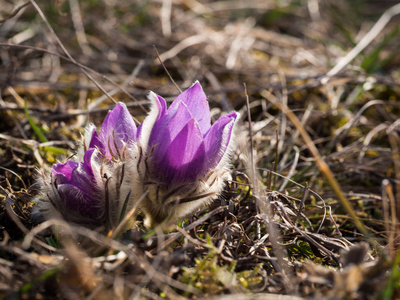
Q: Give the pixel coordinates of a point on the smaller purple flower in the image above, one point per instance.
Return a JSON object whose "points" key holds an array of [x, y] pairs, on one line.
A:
{"points": [[118, 131], [92, 190], [74, 183], [188, 157]]}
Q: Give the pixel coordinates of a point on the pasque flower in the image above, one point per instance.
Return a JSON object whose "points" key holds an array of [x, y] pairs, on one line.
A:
{"points": [[187, 159], [93, 188], [175, 157]]}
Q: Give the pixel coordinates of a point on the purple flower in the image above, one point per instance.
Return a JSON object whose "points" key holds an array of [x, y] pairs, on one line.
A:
{"points": [[73, 190], [176, 156], [188, 158], [92, 189], [118, 131]]}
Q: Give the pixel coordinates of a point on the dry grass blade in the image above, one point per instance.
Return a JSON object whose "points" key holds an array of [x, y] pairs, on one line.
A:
{"points": [[166, 70], [14, 12]]}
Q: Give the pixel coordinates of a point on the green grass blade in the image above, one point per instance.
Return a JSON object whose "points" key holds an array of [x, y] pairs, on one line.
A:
{"points": [[54, 150], [35, 128], [123, 211]]}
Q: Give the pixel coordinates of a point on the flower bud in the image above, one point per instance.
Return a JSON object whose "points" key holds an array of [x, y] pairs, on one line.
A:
{"points": [[187, 159]]}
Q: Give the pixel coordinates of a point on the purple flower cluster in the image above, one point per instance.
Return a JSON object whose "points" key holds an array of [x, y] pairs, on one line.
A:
{"points": [[93, 188], [175, 155]]}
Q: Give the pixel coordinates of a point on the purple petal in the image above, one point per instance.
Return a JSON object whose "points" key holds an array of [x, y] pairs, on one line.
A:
{"points": [[65, 170], [162, 106], [87, 159], [95, 142], [76, 200], [117, 129], [217, 139], [197, 104], [159, 106], [183, 161], [76, 185], [139, 129], [168, 127], [82, 177]]}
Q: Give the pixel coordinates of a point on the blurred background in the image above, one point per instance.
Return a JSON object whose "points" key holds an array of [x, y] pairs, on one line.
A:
{"points": [[220, 43]]}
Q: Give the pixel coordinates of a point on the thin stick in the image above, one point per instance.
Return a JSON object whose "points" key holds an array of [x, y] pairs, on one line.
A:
{"points": [[14, 12], [79, 27], [190, 41], [276, 156], [134, 73], [390, 225], [15, 174], [166, 17], [303, 199], [253, 166], [165, 68]]}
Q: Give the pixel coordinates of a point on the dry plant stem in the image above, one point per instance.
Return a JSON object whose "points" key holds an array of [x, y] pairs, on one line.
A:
{"points": [[325, 170], [294, 137], [134, 73], [166, 17], [390, 225], [349, 125], [253, 167], [276, 156], [303, 199], [190, 41], [14, 12], [368, 140], [365, 41], [313, 8], [394, 141], [79, 28], [279, 251], [292, 169], [283, 123], [166, 70], [66, 51], [15, 174]]}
